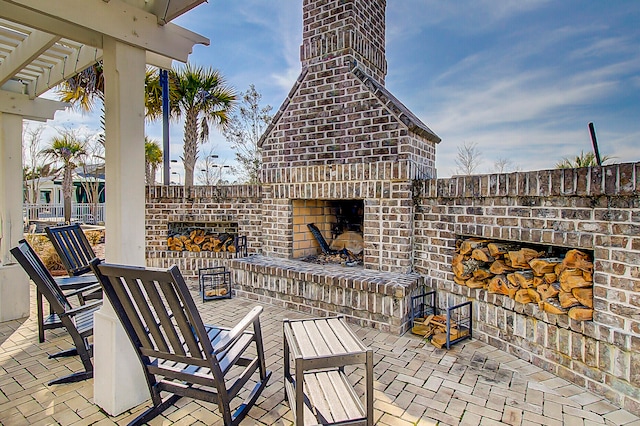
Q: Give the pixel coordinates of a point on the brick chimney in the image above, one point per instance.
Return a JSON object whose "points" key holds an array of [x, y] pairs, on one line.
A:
{"points": [[346, 27]]}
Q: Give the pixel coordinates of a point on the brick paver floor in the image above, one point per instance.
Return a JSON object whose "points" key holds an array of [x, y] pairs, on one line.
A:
{"points": [[415, 383]]}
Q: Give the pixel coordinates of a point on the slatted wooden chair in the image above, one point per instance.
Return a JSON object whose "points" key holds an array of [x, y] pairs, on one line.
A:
{"points": [[72, 246], [77, 320], [180, 355]]}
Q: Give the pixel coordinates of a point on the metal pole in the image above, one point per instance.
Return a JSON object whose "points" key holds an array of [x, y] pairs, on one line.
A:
{"points": [[164, 83], [594, 142]]}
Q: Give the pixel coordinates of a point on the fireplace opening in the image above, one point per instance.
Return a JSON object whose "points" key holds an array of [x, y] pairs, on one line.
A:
{"points": [[328, 231]]}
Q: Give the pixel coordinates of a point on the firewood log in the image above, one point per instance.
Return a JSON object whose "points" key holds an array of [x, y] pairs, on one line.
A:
{"points": [[522, 296], [498, 285], [475, 283], [581, 313], [482, 274], [522, 279], [576, 259], [572, 278], [459, 281], [567, 300], [534, 295], [198, 239], [543, 266], [538, 281], [421, 326], [584, 296], [216, 292], [498, 249], [552, 306], [588, 276], [464, 270], [482, 255], [520, 259], [469, 244], [547, 291], [500, 267], [550, 277]]}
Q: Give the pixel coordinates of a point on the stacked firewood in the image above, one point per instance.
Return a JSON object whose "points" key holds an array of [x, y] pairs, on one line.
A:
{"points": [[434, 328], [559, 285], [198, 240]]}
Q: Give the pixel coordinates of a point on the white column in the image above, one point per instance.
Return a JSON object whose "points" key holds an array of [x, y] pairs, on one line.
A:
{"points": [[14, 284], [119, 382]]}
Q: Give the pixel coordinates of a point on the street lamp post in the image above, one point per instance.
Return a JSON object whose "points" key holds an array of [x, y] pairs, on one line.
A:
{"points": [[179, 177]]}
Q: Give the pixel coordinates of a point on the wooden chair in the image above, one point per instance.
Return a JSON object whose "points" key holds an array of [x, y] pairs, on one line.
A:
{"points": [[72, 246], [179, 354], [78, 321], [75, 251]]}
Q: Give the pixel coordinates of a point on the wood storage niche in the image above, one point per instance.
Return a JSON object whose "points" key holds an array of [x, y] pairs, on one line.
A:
{"points": [[558, 280], [198, 237]]}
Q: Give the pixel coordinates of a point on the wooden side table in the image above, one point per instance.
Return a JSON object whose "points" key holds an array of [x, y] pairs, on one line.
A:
{"points": [[319, 391]]}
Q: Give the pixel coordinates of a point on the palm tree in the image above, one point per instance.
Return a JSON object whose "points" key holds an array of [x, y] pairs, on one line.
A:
{"points": [[202, 96], [152, 157], [84, 88], [587, 159], [67, 149]]}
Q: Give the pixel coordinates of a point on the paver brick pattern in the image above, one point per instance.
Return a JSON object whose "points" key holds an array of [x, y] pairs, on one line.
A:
{"points": [[414, 382]]}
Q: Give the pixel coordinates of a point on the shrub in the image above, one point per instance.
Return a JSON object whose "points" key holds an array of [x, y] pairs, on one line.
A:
{"points": [[44, 249]]}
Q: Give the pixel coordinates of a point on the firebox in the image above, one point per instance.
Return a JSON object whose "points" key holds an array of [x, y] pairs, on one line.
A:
{"points": [[332, 218]]}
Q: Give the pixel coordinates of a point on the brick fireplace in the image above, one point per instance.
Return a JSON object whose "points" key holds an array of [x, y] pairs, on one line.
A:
{"points": [[340, 135]]}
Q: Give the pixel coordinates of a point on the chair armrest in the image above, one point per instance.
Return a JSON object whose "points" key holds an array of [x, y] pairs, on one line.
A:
{"points": [[72, 283], [238, 329], [82, 308], [92, 287]]}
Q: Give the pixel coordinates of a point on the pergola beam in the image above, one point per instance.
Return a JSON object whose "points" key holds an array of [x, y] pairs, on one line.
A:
{"points": [[117, 19], [30, 109]]}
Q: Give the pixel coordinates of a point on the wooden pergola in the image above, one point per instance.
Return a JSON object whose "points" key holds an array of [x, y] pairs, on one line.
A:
{"points": [[42, 43]]}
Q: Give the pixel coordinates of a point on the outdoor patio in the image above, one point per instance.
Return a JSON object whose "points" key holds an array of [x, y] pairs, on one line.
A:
{"points": [[415, 383]]}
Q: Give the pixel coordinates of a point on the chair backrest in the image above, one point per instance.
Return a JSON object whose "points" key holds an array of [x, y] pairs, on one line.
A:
{"points": [[33, 266], [72, 246], [158, 313]]}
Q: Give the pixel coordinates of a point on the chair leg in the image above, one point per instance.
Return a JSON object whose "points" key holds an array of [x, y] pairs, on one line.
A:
{"points": [[68, 352], [71, 378], [154, 411], [244, 408], [40, 316]]}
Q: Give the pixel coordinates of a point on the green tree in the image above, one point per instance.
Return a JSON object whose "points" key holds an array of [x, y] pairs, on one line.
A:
{"points": [[152, 158], [585, 159], [202, 97], [66, 149], [243, 132]]}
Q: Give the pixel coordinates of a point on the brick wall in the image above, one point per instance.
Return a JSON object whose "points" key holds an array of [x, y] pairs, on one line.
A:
{"points": [[240, 205], [591, 208], [412, 226]]}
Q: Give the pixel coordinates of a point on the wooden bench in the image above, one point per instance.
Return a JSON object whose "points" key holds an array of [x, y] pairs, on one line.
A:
{"points": [[319, 391]]}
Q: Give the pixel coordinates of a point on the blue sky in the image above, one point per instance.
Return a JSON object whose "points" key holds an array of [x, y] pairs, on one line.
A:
{"points": [[520, 79]]}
